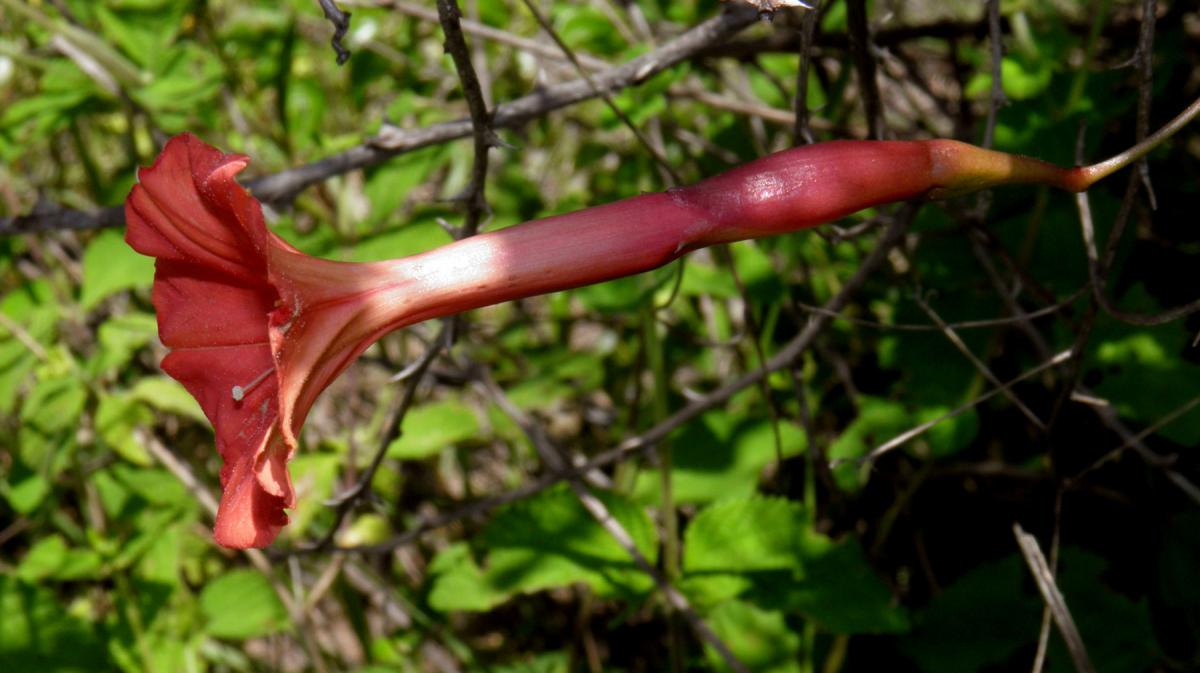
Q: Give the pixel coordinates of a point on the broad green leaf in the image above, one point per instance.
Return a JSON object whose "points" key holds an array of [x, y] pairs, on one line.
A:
{"points": [[116, 419], [366, 529], [241, 604], [388, 187], [37, 634], [764, 550], [54, 405], [1143, 373], [977, 621], [992, 612], [545, 542], [950, 435], [63, 88], [760, 639], [168, 395], [155, 486], [459, 584], [185, 77], [1117, 630], [25, 493], [410, 239], [878, 421], [50, 558], [110, 266], [144, 32], [840, 591], [550, 540], [119, 338], [746, 534], [720, 456], [430, 428], [313, 475]]}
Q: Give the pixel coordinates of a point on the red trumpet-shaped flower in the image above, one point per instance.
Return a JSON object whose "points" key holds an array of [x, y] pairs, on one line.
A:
{"points": [[257, 329]]}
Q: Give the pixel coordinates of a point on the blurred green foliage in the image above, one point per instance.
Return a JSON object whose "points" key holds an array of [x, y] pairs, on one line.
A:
{"points": [[907, 564]]}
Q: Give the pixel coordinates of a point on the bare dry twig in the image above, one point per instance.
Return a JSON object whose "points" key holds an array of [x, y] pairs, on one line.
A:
{"points": [[1054, 598]]}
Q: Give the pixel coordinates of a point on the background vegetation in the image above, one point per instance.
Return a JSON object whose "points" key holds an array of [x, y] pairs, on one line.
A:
{"points": [[470, 550]]}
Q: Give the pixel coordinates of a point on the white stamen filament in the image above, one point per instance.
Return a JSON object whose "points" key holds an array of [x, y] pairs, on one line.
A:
{"points": [[239, 392]]}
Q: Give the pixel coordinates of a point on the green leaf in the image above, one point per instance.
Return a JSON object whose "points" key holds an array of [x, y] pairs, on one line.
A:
{"points": [[168, 395], [764, 550], [50, 558], [143, 31], [110, 266], [119, 338], [878, 421], [977, 621], [1117, 630], [950, 435], [116, 419], [746, 534], [459, 584], [545, 542], [241, 604], [313, 475], [432, 427], [760, 639], [720, 455], [37, 634], [54, 405], [841, 591], [32, 308], [25, 494], [186, 77], [1142, 372], [387, 188]]}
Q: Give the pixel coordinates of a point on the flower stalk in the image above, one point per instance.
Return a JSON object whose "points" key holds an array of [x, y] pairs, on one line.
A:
{"points": [[258, 329]]}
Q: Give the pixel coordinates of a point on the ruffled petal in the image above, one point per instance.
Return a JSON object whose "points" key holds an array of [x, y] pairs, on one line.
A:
{"points": [[180, 211], [213, 299], [249, 514]]}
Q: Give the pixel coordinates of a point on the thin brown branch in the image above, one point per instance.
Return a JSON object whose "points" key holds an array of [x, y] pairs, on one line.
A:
{"points": [[802, 131], [997, 98], [282, 187], [481, 119], [861, 50]]}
